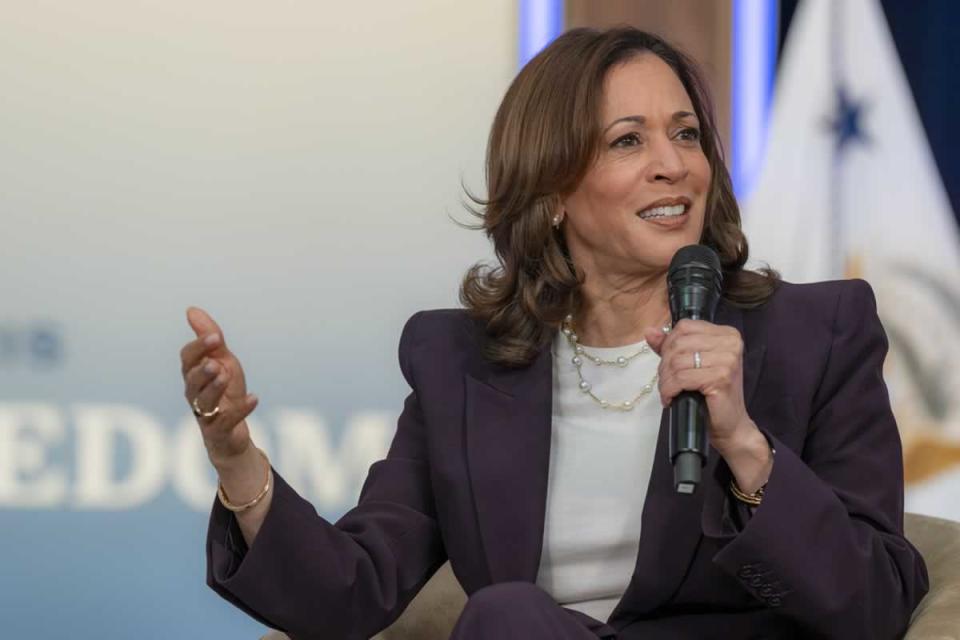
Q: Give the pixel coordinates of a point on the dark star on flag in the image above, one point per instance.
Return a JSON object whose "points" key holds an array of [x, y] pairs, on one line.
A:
{"points": [[846, 122]]}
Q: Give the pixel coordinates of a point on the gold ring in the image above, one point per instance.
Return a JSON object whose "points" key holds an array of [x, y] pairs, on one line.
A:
{"points": [[200, 413]]}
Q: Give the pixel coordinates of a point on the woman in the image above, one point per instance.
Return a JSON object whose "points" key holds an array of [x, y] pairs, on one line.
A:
{"points": [[529, 453]]}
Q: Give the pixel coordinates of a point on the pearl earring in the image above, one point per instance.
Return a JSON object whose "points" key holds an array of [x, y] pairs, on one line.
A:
{"points": [[556, 220]]}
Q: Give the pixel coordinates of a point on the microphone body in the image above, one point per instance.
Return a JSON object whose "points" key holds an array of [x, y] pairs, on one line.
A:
{"points": [[694, 284]]}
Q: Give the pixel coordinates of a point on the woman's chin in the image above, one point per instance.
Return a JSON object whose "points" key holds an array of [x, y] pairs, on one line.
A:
{"points": [[660, 244]]}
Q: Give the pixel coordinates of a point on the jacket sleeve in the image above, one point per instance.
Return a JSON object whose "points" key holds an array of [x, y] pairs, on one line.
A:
{"points": [[826, 546], [314, 579]]}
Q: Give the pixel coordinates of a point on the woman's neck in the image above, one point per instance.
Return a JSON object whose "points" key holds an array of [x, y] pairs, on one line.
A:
{"points": [[615, 312]]}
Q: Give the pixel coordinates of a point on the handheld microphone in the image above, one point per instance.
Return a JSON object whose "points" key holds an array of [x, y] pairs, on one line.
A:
{"points": [[693, 283]]}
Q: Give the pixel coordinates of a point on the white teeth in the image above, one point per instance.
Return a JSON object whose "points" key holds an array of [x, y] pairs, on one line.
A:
{"points": [[663, 212]]}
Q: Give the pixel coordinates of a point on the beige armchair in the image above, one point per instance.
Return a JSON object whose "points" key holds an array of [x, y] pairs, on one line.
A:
{"points": [[937, 617], [434, 611]]}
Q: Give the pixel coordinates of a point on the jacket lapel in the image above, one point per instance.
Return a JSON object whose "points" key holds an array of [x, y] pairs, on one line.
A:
{"points": [[508, 422], [508, 433]]}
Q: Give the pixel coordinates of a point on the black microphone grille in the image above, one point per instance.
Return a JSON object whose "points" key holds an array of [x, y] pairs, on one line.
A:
{"points": [[695, 254]]}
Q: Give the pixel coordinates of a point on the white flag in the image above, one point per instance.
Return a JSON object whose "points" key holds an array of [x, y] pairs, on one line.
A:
{"points": [[850, 188]]}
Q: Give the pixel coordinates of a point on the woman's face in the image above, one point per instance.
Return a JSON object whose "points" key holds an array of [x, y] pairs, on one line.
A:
{"points": [[645, 195]]}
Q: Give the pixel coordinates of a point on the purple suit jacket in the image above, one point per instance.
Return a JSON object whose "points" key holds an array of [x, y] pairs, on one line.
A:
{"points": [[466, 479]]}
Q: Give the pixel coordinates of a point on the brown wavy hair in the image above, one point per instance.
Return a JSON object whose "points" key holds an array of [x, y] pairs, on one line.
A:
{"points": [[545, 136]]}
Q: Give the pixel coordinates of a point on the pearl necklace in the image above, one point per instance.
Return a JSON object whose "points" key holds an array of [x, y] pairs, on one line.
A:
{"points": [[579, 353]]}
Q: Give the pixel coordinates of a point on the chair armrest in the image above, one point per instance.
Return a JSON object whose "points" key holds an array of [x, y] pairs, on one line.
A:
{"points": [[937, 617], [431, 615]]}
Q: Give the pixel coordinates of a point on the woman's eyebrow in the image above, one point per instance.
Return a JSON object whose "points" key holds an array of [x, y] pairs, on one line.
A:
{"points": [[641, 120]]}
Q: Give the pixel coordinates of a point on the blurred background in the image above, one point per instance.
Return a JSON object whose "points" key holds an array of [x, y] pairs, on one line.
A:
{"points": [[296, 169]]}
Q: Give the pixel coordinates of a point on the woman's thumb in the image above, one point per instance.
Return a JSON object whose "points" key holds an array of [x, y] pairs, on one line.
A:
{"points": [[654, 337], [201, 322]]}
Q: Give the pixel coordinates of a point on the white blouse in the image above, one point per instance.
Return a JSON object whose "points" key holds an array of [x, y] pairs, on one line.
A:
{"points": [[600, 465]]}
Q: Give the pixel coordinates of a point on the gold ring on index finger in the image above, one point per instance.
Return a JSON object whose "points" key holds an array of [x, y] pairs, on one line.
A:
{"points": [[200, 413]]}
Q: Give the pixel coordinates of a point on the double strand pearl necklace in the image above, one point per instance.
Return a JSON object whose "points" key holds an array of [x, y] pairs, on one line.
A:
{"points": [[579, 353]]}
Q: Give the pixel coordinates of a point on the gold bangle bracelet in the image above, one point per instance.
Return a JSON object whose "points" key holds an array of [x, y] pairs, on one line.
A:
{"points": [[237, 508], [753, 499]]}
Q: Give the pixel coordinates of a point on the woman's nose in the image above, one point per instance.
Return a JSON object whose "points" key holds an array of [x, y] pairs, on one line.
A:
{"points": [[667, 163]]}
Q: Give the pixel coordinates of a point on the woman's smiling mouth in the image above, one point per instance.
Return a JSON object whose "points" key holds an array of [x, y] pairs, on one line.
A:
{"points": [[666, 212]]}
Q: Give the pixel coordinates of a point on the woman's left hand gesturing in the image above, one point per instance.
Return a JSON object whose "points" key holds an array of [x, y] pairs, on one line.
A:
{"points": [[719, 378]]}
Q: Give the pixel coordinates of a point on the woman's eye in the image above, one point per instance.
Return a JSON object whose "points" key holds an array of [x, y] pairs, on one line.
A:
{"points": [[690, 133], [629, 140]]}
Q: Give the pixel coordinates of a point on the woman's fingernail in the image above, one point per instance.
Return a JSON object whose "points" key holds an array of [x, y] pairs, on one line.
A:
{"points": [[210, 367], [211, 339]]}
